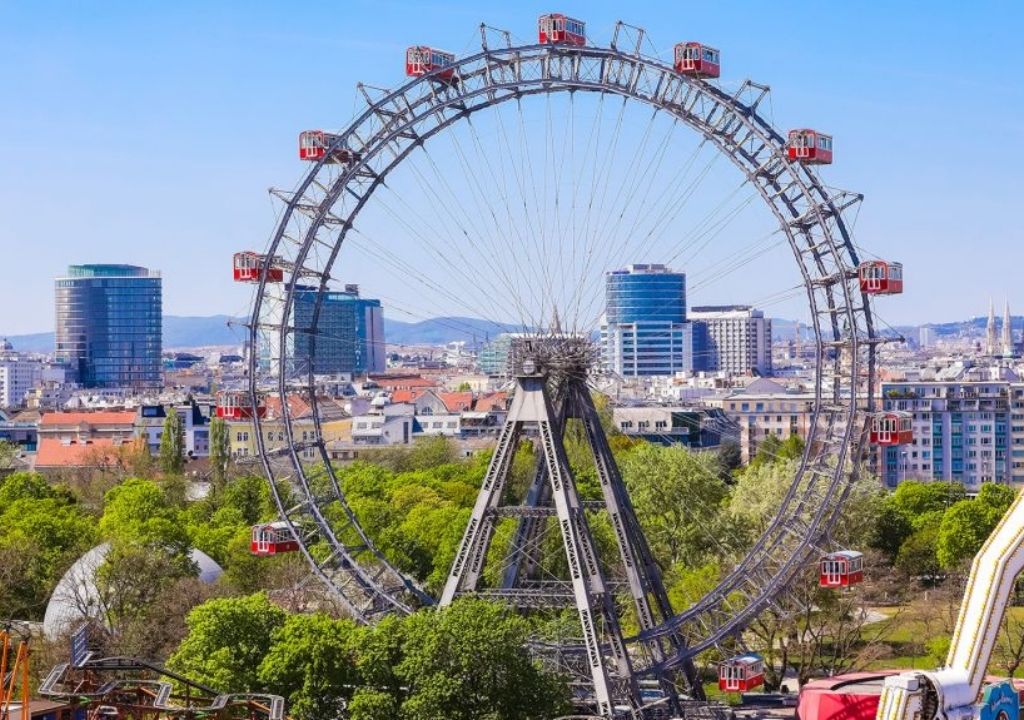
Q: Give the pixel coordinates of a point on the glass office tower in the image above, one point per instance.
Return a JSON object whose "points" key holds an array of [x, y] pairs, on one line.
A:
{"points": [[110, 325], [349, 335], [644, 329]]}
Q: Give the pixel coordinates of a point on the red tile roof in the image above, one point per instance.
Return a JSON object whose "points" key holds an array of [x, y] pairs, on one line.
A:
{"points": [[105, 417], [54, 453], [298, 407], [493, 401], [408, 396], [404, 382], [457, 401]]}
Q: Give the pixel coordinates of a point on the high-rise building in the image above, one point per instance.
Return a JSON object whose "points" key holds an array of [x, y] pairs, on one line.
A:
{"points": [[493, 356], [18, 375], [966, 430], [109, 325], [21, 374], [644, 330], [349, 336], [739, 338]]}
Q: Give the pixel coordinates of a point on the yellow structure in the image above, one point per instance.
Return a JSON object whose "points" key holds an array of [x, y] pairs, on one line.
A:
{"points": [[13, 663], [242, 434]]}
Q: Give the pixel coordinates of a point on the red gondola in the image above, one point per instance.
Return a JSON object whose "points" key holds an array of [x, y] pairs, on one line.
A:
{"points": [[315, 144], [248, 266], [841, 569], [878, 277], [421, 60], [557, 29], [272, 538], [892, 428], [810, 147], [236, 405], [696, 60], [741, 673]]}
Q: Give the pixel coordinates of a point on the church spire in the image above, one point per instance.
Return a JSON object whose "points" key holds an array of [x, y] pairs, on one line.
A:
{"points": [[991, 348], [1007, 335]]}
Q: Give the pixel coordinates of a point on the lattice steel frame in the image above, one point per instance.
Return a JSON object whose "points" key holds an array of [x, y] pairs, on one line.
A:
{"points": [[324, 206]]}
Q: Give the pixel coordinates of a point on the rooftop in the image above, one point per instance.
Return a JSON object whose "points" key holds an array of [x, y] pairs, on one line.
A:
{"points": [[55, 453], [101, 270], [102, 417]]}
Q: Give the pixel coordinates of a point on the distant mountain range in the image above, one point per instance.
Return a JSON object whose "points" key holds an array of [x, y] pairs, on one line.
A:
{"points": [[438, 331], [179, 332], [191, 332]]}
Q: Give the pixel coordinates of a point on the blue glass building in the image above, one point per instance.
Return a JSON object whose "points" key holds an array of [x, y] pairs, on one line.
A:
{"points": [[644, 330], [349, 335], [110, 325]]}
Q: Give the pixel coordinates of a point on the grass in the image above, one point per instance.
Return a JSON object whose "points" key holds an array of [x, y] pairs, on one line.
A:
{"points": [[917, 644]]}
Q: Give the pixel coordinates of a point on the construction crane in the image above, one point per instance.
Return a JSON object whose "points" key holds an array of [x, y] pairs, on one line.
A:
{"points": [[14, 680], [955, 691]]}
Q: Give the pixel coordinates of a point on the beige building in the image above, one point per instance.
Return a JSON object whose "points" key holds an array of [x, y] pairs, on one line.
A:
{"points": [[242, 433], [764, 408]]}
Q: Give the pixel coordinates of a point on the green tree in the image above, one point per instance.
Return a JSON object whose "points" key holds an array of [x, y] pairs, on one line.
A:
{"points": [[227, 640], [133, 577], [39, 539], [137, 512], [915, 499], [686, 586], [214, 523], [431, 453], [371, 704], [220, 452], [380, 653], [312, 664], [917, 555], [172, 444], [730, 458], [759, 491], [968, 523], [890, 530], [8, 451], [767, 451], [792, 448], [679, 496], [996, 496], [469, 661], [27, 486]]}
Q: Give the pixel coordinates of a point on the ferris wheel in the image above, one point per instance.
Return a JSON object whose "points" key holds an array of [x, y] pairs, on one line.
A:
{"points": [[505, 185]]}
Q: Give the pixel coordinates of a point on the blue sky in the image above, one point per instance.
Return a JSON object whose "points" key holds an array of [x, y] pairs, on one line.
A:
{"points": [[150, 132]]}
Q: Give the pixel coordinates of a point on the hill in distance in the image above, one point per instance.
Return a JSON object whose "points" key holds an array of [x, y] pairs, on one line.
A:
{"points": [[191, 332], [441, 330], [181, 332]]}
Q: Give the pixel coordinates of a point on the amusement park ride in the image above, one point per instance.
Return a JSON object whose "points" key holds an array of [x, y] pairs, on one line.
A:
{"points": [[551, 368], [959, 690], [99, 687], [551, 371], [14, 673]]}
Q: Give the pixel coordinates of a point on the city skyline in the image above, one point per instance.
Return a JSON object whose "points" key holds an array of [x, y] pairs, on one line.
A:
{"points": [[129, 91]]}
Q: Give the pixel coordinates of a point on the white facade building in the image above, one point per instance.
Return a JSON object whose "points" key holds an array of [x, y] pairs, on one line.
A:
{"points": [[17, 378], [739, 338], [20, 374]]}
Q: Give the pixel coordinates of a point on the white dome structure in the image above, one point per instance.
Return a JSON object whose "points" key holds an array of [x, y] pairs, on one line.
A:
{"points": [[76, 597]]}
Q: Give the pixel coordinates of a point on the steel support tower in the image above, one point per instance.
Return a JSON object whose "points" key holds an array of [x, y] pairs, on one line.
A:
{"points": [[550, 391]]}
